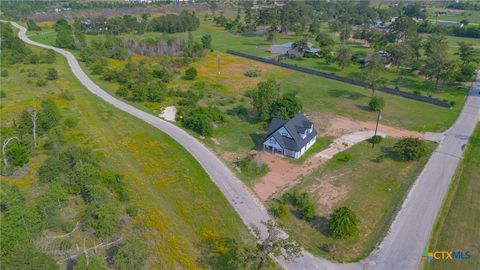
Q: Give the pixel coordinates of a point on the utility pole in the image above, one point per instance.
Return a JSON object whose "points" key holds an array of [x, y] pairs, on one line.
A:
{"points": [[376, 128]]}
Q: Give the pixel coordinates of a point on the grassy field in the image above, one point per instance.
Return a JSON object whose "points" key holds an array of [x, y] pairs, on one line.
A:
{"points": [[473, 16], [374, 191], [457, 225], [317, 92], [183, 214]]}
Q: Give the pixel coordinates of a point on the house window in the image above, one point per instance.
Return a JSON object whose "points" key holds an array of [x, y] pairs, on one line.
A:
{"points": [[272, 141]]}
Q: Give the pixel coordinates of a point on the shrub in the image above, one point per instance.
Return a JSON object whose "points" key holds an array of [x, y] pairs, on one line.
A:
{"points": [[50, 115], [71, 122], [51, 169], [190, 73], [281, 210], [103, 218], [67, 95], [380, 159], [252, 73], [376, 104], [17, 153], [308, 213], [240, 111], [343, 223], [3, 94], [417, 92], [52, 74], [131, 254], [344, 157], [4, 73], [376, 139], [300, 199], [410, 149], [41, 83], [251, 167], [200, 123], [132, 210]]}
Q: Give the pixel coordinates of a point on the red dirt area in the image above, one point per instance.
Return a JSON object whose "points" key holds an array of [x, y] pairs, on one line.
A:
{"points": [[282, 173], [338, 126]]}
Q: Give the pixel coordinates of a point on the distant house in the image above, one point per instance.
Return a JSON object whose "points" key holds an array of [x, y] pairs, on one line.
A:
{"points": [[290, 138], [286, 49], [385, 56]]}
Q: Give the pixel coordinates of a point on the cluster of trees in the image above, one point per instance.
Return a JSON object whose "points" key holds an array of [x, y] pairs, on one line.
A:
{"points": [[172, 23], [67, 171], [114, 25], [22, 138], [467, 30], [138, 83], [197, 118], [21, 223], [65, 35], [464, 5], [268, 102], [14, 49], [343, 222]]}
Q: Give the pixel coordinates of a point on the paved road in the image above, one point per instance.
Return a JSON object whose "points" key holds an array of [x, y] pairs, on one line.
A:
{"points": [[400, 250], [409, 234]]}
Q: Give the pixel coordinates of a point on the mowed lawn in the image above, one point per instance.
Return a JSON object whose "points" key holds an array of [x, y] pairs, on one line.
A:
{"points": [[373, 190], [458, 224], [183, 214]]}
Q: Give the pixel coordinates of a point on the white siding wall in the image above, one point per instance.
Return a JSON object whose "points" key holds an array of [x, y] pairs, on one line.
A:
{"points": [[273, 143]]}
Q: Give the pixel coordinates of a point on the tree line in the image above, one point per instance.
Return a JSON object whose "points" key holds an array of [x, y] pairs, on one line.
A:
{"points": [[118, 25]]}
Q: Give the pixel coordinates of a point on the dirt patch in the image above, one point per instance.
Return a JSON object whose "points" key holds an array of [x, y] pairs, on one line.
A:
{"points": [[229, 156], [326, 194], [336, 126], [282, 173], [215, 141]]}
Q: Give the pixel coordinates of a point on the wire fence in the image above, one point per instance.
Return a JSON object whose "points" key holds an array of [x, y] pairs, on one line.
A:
{"points": [[392, 91]]}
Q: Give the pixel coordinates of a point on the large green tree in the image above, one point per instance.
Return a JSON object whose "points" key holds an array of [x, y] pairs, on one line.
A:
{"points": [[372, 73], [468, 53], [343, 56], [264, 96]]}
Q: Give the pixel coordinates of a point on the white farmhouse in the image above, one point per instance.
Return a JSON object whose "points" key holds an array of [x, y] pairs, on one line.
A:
{"points": [[290, 138]]}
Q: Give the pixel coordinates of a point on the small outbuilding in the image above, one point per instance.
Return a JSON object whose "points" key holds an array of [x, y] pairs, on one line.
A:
{"points": [[290, 138]]}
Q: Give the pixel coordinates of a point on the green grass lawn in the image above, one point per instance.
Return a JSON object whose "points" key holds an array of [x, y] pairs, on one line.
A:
{"points": [[473, 16], [459, 220], [183, 214], [374, 191]]}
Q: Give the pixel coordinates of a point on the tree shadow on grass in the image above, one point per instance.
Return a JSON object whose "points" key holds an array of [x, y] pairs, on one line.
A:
{"points": [[326, 67], [319, 223], [363, 107], [345, 94], [258, 139], [217, 252], [390, 152]]}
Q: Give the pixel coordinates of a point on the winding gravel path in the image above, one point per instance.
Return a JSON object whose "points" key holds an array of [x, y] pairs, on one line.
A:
{"points": [[401, 249]]}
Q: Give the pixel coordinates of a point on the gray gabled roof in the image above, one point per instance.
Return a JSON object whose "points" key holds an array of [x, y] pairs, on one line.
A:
{"points": [[295, 126]]}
